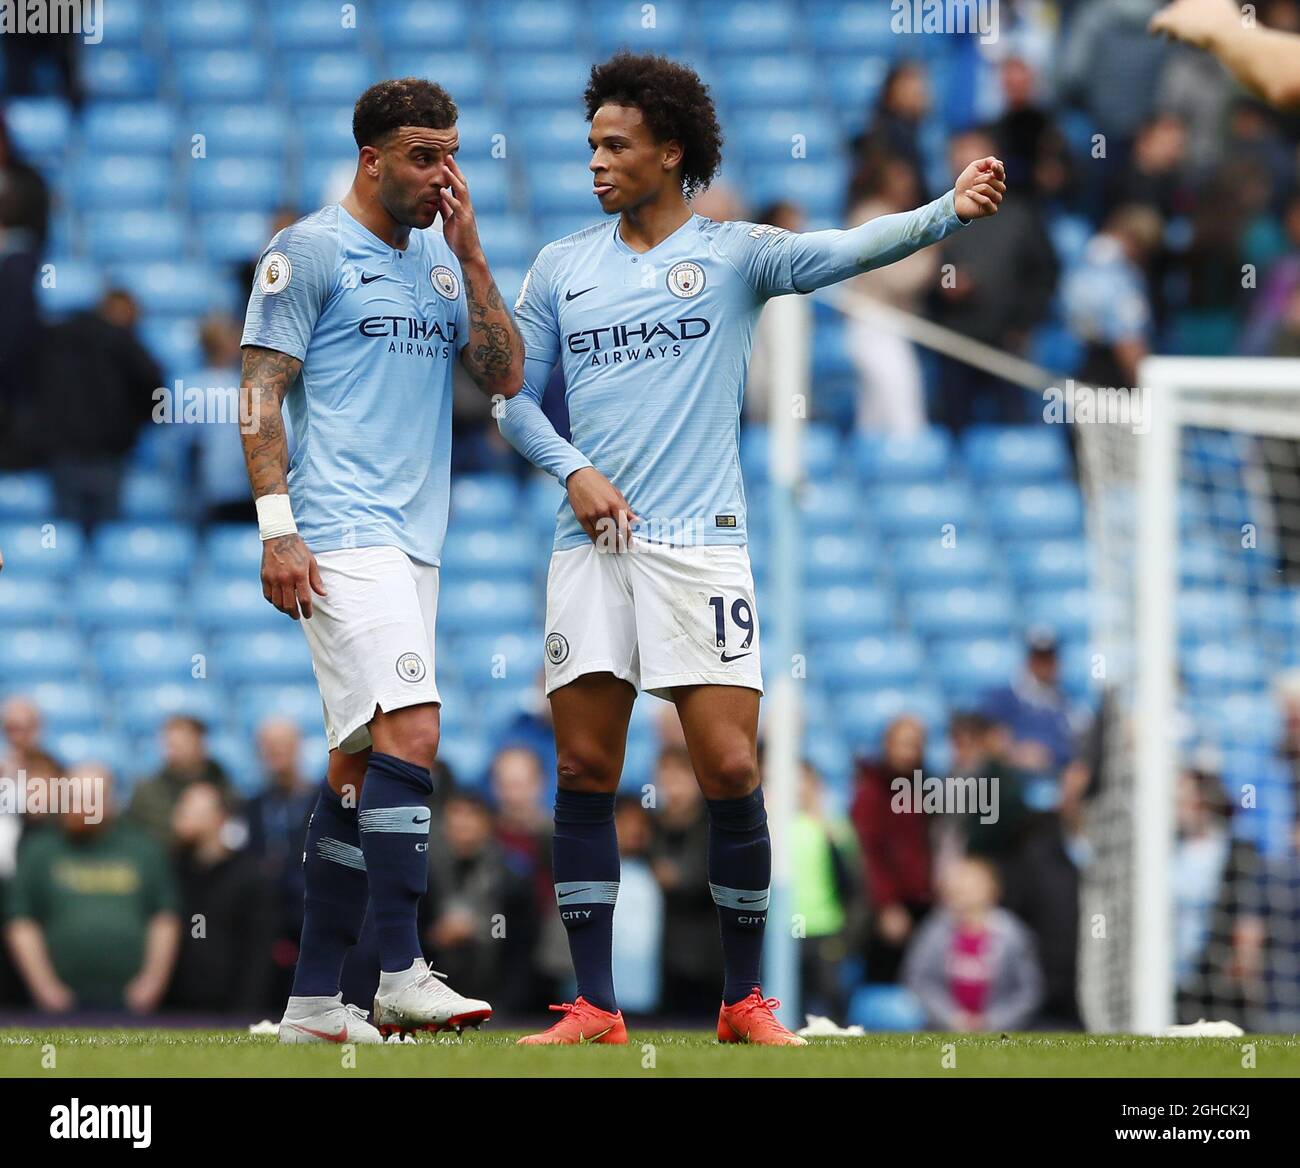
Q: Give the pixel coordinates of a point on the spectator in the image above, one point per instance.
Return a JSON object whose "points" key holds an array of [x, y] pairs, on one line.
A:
{"points": [[975, 300], [1029, 142], [692, 949], [827, 885], [185, 761], [23, 759], [639, 914], [1267, 942], [25, 52], [980, 750], [227, 916], [97, 390], [1158, 175], [23, 209], [277, 832], [895, 129], [92, 910], [532, 729], [1106, 298], [896, 849], [972, 964], [24, 199]]}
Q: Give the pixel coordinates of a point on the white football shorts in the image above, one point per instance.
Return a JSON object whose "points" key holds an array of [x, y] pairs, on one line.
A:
{"points": [[371, 638], [657, 615]]}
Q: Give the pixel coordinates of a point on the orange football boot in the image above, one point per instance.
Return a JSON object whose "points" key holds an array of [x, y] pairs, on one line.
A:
{"points": [[751, 1020], [582, 1023]]}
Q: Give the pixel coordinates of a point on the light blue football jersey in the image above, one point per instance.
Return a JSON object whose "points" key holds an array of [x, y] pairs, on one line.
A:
{"points": [[377, 331], [654, 348]]}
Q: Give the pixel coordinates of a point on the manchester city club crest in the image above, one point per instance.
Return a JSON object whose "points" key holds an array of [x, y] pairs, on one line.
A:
{"points": [[410, 667], [445, 282], [686, 279], [557, 648]]}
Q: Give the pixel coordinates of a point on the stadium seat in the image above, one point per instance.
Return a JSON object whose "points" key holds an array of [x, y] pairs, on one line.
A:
{"points": [[308, 24], [828, 507], [243, 131], [179, 288], [864, 714], [930, 562], [74, 747], [174, 343], [1222, 667], [1046, 511], [26, 494], [491, 190], [464, 75], [326, 179], [40, 128], [892, 659], [821, 451], [233, 549], [523, 25], [114, 236], [119, 74], [505, 605], [103, 601], [224, 604], [508, 240], [148, 656], [221, 75], [482, 500], [151, 549], [230, 237], [114, 182], [40, 653], [238, 758], [299, 704], [208, 23], [75, 285], [1236, 719], [764, 82], [1010, 454], [560, 190], [144, 127], [64, 705], [783, 135], [554, 138], [264, 658], [885, 459], [624, 26], [42, 549], [748, 27], [930, 510], [142, 710], [467, 756], [537, 80], [31, 601], [838, 559], [327, 77], [843, 612], [234, 184], [967, 669], [885, 1007], [857, 30], [427, 24], [486, 553], [961, 612], [853, 86], [1069, 614], [1056, 563], [1211, 614]]}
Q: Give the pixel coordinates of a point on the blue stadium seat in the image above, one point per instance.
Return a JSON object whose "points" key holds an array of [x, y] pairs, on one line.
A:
{"points": [[491, 188], [76, 285], [1035, 512], [1223, 667], [748, 27], [234, 184], [1211, 614], [426, 24], [73, 747], [103, 601], [26, 494], [43, 549], [327, 77], [537, 80], [842, 612], [764, 82], [508, 240], [484, 605], [119, 181], [552, 227], [821, 451], [554, 138], [1238, 719], [864, 714], [65, 705], [1279, 611], [158, 234], [233, 549], [517, 25], [784, 135], [876, 662], [179, 288], [327, 179], [174, 343], [124, 23], [1010, 454], [40, 653], [1069, 614], [482, 500], [559, 191], [500, 704], [262, 658], [885, 1007], [31, 601], [309, 24], [148, 656], [243, 131], [921, 510], [221, 75], [967, 669], [961, 612], [482, 130], [853, 85], [886, 459], [143, 709], [38, 127], [1055, 563], [327, 129], [818, 187], [154, 549], [137, 127], [468, 757], [485, 553], [464, 75], [229, 237], [232, 603], [862, 29], [838, 559], [299, 704], [828, 507], [624, 26], [209, 24], [238, 758], [928, 562], [119, 74], [1203, 562]]}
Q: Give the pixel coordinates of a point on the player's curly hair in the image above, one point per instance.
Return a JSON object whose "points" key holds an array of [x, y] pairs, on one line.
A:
{"points": [[674, 102], [405, 101]]}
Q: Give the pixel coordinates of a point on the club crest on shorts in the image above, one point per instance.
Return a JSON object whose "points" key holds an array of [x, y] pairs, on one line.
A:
{"points": [[686, 279], [557, 648], [275, 274], [444, 282], [410, 667]]}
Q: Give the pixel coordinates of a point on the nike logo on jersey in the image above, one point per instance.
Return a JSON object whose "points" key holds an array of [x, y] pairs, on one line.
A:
{"points": [[562, 895], [371, 279], [575, 295], [725, 659]]}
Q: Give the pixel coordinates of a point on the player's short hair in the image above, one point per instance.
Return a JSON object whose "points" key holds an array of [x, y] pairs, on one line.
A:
{"points": [[405, 101], [675, 104]]}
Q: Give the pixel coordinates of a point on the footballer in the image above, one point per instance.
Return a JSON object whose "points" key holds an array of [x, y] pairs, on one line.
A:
{"points": [[651, 318], [357, 314]]}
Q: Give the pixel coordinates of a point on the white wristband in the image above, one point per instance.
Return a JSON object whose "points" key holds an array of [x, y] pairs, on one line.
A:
{"points": [[275, 517]]}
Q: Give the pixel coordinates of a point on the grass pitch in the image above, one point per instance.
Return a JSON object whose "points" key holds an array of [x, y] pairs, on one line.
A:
{"points": [[649, 1054]]}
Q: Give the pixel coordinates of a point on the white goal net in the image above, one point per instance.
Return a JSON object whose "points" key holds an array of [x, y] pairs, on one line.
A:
{"points": [[1191, 898]]}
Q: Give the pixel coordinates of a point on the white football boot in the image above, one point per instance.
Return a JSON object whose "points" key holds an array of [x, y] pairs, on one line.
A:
{"points": [[325, 1020], [416, 1000]]}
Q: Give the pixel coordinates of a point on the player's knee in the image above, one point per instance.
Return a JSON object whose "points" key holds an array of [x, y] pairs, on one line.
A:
{"points": [[415, 739], [732, 775], [586, 770]]}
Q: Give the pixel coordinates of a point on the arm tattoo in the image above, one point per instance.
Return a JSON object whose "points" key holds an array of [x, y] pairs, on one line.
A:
{"points": [[265, 380], [494, 343]]}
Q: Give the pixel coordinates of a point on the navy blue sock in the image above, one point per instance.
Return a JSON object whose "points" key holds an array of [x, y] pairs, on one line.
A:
{"points": [[334, 872], [740, 873], [394, 820], [585, 866]]}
